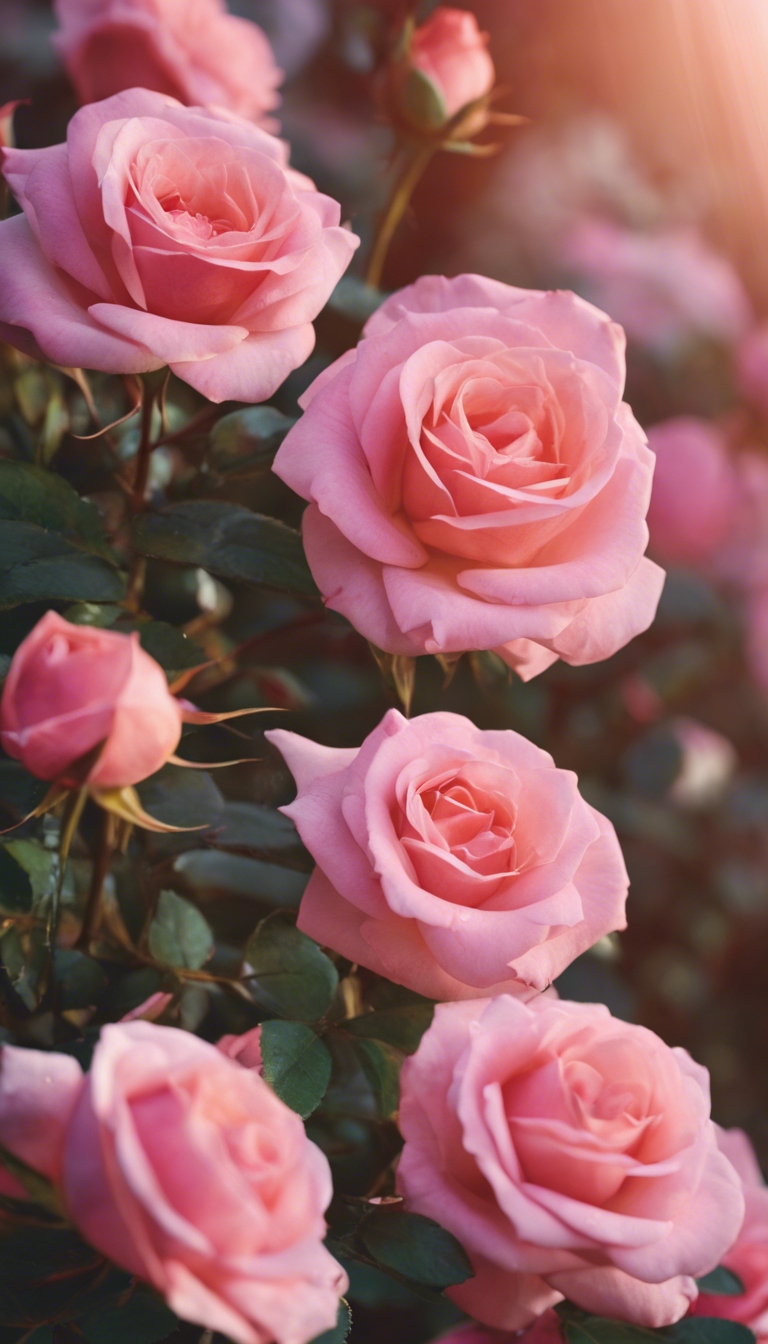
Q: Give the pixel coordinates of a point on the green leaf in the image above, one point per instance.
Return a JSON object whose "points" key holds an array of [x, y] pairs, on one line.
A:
{"points": [[381, 1066], [229, 541], [143, 1319], [355, 299], [721, 1281], [254, 826], [15, 886], [80, 980], [297, 1065], [168, 646], [40, 865], [25, 959], [39, 1189], [248, 438], [182, 797], [28, 494], [39, 566], [402, 1027], [101, 615], [579, 1327], [341, 1329], [288, 974], [178, 934], [215, 870], [414, 1246], [20, 792]]}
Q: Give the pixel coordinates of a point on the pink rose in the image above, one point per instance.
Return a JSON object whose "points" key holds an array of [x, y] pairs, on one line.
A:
{"points": [[476, 481], [451, 860], [191, 49], [71, 687], [187, 1171], [445, 67], [570, 1153], [178, 237], [246, 1049], [664, 287], [695, 491], [748, 1257]]}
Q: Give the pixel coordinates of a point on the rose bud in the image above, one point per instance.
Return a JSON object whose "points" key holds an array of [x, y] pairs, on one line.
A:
{"points": [[438, 69], [72, 687], [187, 1171], [246, 1049]]}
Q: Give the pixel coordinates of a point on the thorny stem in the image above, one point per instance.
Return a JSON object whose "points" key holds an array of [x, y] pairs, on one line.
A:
{"points": [[101, 864], [151, 392], [416, 164]]}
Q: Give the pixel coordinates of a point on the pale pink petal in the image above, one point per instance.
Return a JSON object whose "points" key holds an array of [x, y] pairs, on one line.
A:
{"points": [[608, 1292], [253, 370], [39, 1091]]}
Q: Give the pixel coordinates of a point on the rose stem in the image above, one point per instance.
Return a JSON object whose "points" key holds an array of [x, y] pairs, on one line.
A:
{"points": [[151, 390], [101, 862], [404, 189]]}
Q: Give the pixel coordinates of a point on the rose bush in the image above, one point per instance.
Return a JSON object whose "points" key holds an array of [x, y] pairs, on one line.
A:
{"points": [[185, 1169], [570, 1153], [452, 860], [191, 49], [475, 480], [71, 687], [178, 237]]}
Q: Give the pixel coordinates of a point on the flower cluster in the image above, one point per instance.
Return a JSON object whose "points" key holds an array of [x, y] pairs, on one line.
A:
{"points": [[475, 484]]}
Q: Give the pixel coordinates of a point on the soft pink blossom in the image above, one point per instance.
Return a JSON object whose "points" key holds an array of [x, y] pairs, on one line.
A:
{"points": [[475, 480], [72, 687], [193, 50], [707, 763], [571, 1154], [451, 860], [748, 1257], [664, 287], [246, 1049], [160, 234], [695, 499], [187, 1171]]}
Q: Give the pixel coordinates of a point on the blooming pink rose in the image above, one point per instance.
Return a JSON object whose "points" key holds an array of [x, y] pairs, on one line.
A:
{"points": [[748, 1257], [570, 1153], [476, 481], [451, 53], [71, 687], [246, 1049], [187, 1171], [663, 287], [695, 491], [191, 49], [752, 367], [160, 234], [451, 860]]}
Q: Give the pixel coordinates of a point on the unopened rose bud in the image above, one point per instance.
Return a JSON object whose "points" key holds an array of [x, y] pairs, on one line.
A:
{"points": [[442, 67], [73, 687]]}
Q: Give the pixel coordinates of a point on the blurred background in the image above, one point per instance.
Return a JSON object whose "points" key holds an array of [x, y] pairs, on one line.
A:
{"points": [[640, 181]]}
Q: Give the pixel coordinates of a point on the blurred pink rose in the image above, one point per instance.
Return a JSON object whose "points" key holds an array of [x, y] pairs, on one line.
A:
{"points": [[476, 481], [570, 1153], [178, 237], [71, 687], [695, 491], [707, 763], [191, 49], [664, 287], [450, 53], [187, 1171], [452, 860], [246, 1049], [752, 367], [748, 1257]]}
